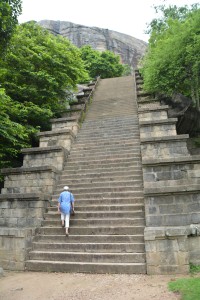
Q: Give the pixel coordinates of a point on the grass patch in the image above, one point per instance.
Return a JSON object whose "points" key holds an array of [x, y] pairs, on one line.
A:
{"points": [[189, 288], [194, 269]]}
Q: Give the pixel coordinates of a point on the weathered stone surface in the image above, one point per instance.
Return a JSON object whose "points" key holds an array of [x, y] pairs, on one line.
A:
{"points": [[29, 180], [47, 156], [129, 48], [14, 245]]}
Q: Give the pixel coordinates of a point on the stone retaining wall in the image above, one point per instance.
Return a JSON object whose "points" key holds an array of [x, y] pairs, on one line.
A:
{"points": [[171, 189]]}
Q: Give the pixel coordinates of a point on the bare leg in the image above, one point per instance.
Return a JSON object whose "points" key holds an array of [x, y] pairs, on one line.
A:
{"points": [[67, 231], [67, 216]]}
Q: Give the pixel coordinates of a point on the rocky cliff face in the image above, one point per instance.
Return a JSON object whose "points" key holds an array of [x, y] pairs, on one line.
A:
{"points": [[127, 47]]}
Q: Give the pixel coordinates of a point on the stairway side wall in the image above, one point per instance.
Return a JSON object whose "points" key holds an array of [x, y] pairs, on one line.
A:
{"points": [[27, 190], [171, 189]]}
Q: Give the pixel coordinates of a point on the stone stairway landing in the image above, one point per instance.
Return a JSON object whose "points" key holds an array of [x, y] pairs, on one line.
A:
{"points": [[103, 171]]}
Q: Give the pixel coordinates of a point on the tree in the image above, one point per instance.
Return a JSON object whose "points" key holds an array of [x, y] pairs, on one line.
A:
{"points": [[13, 136], [106, 63], [172, 63], [40, 68], [38, 72], [9, 12]]}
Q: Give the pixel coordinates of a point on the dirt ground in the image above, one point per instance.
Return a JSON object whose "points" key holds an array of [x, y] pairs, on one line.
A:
{"points": [[65, 286]]}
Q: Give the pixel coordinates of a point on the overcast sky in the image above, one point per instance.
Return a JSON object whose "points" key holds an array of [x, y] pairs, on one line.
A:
{"points": [[125, 16]]}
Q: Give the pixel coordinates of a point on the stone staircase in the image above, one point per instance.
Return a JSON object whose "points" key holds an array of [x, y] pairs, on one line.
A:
{"points": [[104, 173]]}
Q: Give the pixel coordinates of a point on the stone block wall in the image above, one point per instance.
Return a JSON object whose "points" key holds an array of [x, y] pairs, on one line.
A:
{"points": [[164, 147], [47, 156], [157, 129], [171, 191], [23, 210], [29, 180], [166, 250], [14, 245], [19, 216], [63, 138], [172, 209]]}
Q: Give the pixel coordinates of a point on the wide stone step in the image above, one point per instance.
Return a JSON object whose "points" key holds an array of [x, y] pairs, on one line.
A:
{"points": [[87, 257], [103, 157], [105, 201], [112, 123], [120, 191], [101, 132], [97, 222], [102, 166], [94, 148], [76, 267], [95, 230], [90, 238], [106, 143], [89, 178], [90, 247], [76, 155], [98, 214], [104, 195], [80, 207], [109, 136], [104, 184], [100, 173], [111, 160]]}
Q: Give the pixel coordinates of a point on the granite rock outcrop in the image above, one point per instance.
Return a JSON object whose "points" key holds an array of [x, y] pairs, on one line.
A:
{"points": [[127, 47]]}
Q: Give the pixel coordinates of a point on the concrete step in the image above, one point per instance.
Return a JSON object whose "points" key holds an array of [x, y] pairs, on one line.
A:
{"points": [[139, 238], [87, 257], [90, 247], [88, 267], [95, 230]]}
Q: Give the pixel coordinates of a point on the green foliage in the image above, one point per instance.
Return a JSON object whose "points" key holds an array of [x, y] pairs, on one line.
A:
{"points": [[13, 135], [38, 74], [40, 67], [189, 288], [9, 11], [128, 70], [172, 63], [194, 268], [105, 63]]}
